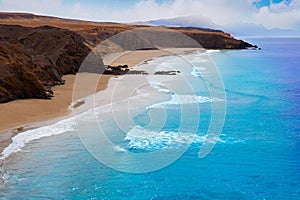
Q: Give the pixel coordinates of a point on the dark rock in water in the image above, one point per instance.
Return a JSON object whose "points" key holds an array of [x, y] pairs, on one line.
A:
{"points": [[150, 48], [122, 70], [77, 104], [20, 129], [167, 73], [137, 72]]}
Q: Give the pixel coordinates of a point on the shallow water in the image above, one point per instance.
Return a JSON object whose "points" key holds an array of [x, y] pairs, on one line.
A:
{"points": [[257, 155]]}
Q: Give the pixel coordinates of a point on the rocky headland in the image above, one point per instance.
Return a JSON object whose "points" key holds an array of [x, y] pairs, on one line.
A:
{"points": [[36, 51]]}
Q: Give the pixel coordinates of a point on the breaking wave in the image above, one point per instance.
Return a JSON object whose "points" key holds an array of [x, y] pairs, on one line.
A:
{"points": [[139, 138]]}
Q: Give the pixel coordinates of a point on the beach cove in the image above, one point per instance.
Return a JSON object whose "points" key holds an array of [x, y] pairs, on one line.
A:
{"points": [[22, 115]]}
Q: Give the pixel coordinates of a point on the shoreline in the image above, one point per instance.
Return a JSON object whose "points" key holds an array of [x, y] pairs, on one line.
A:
{"points": [[23, 115]]}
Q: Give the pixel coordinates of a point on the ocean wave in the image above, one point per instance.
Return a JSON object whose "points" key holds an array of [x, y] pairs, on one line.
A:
{"points": [[212, 51], [139, 138], [184, 100], [160, 88], [21, 139], [180, 99]]}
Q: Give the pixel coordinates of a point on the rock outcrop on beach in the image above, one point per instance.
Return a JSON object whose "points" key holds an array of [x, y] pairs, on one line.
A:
{"points": [[36, 51], [116, 70]]}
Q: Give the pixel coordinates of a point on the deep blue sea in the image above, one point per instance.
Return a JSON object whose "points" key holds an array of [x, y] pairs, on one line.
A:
{"points": [[156, 133]]}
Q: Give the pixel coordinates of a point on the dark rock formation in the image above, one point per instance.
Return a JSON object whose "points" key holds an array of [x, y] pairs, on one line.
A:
{"points": [[32, 60], [95, 32], [137, 72], [116, 70], [215, 39], [122, 70], [167, 73]]}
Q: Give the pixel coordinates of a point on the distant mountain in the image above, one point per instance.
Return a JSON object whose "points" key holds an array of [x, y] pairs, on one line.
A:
{"points": [[251, 29], [237, 29], [186, 21]]}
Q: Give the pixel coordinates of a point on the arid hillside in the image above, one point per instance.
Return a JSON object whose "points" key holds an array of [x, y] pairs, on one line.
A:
{"points": [[36, 51]]}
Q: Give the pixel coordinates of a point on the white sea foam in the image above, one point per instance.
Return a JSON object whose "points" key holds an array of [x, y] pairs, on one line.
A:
{"points": [[212, 51], [180, 99], [139, 138], [160, 88], [119, 149], [188, 99], [20, 140], [196, 72], [184, 100]]}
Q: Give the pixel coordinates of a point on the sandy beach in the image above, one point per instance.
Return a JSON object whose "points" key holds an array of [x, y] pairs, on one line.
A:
{"points": [[20, 115], [23, 114]]}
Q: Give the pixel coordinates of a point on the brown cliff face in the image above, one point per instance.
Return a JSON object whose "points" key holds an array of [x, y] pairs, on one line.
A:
{"points": [[32, 60], [212, 39], [96, 32], [36, 51]]}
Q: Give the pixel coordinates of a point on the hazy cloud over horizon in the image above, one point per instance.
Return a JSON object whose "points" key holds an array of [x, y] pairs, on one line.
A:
{"points": [[270, 13]]}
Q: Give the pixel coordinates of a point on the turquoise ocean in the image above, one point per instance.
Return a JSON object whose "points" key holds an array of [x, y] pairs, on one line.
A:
{"points": [[256, 155]]}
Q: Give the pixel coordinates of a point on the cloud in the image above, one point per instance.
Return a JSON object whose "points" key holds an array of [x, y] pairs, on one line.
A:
{"points": [[282, 15], [285, 14], [220, 11], [40, 6]]}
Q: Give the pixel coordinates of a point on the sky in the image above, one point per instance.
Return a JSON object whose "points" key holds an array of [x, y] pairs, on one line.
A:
{"points": [[270, 13]]}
